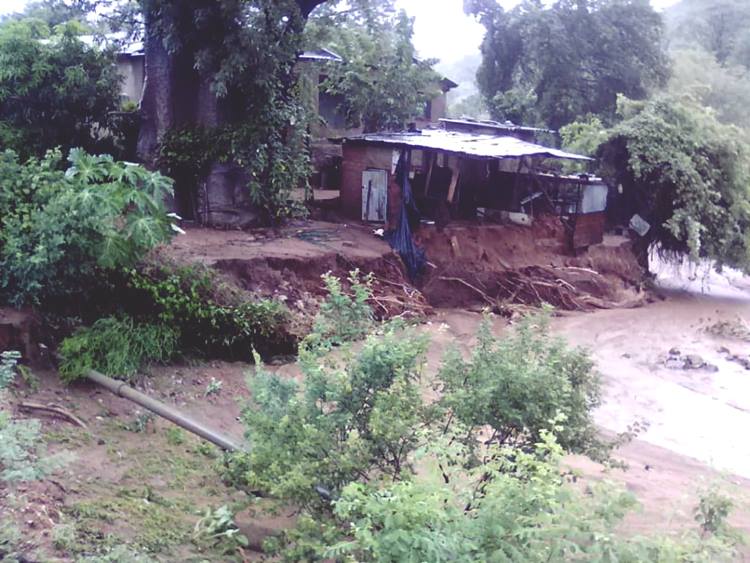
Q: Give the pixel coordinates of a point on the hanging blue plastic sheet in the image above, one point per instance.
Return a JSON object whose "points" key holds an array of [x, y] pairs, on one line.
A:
{"points": [[401, 239]]}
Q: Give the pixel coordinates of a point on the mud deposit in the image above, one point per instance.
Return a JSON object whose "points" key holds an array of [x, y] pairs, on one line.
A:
{"points": [[499, 265], [469, 266], [287, 264]]}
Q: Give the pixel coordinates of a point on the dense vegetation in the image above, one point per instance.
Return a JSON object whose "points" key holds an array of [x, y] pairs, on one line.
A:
{"points": [[55, 91], [548, 65], [383, 463], [682, 170], [62, 229], [470, 471], [380, 84]]}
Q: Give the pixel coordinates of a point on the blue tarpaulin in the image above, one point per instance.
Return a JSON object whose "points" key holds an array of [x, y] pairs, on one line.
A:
{"points": [[401, 239]]}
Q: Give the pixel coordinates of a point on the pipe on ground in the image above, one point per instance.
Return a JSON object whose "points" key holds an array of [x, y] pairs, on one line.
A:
{"points": [[122, 389]]}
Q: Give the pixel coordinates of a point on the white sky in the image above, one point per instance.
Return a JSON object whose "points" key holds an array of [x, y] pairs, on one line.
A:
{"points": [[443, 32], [446, 33]]}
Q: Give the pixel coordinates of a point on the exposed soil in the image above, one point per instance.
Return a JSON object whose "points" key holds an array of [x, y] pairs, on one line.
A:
{"points": [[502, 265], [138, 481], [287, 264], [470, 266]]}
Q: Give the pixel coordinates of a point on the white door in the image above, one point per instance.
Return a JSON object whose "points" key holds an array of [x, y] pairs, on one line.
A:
{"points": [[374, 195]]}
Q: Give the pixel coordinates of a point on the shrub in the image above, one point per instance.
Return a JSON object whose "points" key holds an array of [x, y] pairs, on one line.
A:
{"points": [[56, 91], [516, 384], [116, 347], [384, 472], [344, 316], [61, 232], [218, 529], [22, 456], [214, 318], [346, 421]]}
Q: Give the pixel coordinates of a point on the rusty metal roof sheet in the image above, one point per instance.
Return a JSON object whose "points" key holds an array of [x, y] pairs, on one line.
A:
{"points": [[469, 144]]}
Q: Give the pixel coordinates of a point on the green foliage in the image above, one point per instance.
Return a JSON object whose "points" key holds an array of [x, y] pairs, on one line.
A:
{"points": [[22, 455], [8, 362], [214, 387], [187, 154], [348, 419], [250, 69], [213, 318], [116, 347], [218, 529], [61, 231], [385, 473], [54, 90], [719, 27], [472, 106], [344, 316], [712, 511], [117, 554], [516, 384], [379, 86], [686, 174], [551, 64], [724, 89], [10, 538]]}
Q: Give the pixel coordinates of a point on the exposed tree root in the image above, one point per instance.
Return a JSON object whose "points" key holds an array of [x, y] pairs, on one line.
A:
{"points": [[54, 410], [533, 286]]}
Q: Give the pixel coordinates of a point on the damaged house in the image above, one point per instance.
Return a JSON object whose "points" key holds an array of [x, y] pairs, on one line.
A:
{"points": [[467, 170], [482, 215]]}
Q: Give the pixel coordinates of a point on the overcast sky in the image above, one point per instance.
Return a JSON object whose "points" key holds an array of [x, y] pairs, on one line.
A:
{"points": [[442, 30], [446, 33]]}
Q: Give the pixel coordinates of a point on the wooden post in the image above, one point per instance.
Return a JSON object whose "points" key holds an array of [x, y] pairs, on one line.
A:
{"points": [[454, 181], [432, 157]]}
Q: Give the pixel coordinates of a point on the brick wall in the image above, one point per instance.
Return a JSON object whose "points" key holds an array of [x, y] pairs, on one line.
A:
{"points": [[356, 159]]}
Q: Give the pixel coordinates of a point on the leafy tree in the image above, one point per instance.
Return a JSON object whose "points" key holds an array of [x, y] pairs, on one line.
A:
{"points": [[59, 231], [723, 88], [552, 64], [54, 90], [720, 27], [228, 67], [685, 173], [471, 106], [381, 85]]}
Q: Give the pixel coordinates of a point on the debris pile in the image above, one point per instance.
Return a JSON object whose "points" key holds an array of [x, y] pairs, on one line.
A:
{"points": [[569, 288], [676, 360], [509, 268]]}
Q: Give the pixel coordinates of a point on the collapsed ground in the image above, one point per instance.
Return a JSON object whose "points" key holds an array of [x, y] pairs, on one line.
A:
{"points": [[140, 481], [468, 266]]}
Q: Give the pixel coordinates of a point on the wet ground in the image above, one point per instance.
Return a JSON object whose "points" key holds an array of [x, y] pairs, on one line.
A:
{"points": [[666, 365]]}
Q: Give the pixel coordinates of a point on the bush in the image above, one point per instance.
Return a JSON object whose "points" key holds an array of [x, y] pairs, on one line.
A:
{"points": [[517, 384], [346, 421], [56, 91], [214, 319], [61, 232], [116, 347], [383, 470], [344, 316]]}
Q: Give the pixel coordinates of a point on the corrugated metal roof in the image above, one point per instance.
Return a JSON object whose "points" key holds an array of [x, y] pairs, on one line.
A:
{"points": [[469, 144], [489, 124], [320, 55]]}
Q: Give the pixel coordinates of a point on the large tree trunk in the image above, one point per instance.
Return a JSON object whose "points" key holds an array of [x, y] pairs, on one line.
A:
{"points": [[176, 96]]}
